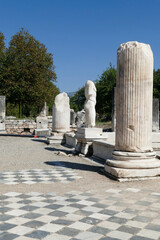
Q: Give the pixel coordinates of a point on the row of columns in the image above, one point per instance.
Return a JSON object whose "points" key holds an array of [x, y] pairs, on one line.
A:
{"points": [[133, 155]]}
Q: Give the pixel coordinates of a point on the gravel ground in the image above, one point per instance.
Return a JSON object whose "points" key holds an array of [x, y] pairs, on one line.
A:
{"points": [[47, 195], [20, 153]]}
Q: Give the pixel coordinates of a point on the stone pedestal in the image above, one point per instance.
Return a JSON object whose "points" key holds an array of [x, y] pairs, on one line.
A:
{"points": [[42, 122], [133, 155], [2, 113], [70, 139], [41, 132], [56, 138], [42, 126], [85, 138]]}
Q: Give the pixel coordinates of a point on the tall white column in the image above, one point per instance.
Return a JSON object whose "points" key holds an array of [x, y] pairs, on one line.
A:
{"points": [[133, 155], [134, 97]]}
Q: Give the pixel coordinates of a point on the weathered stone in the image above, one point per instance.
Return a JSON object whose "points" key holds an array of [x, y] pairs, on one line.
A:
{"points": [[20, 126], [42, 122], [89, 133], [133, 152], [61, 114], [89, 106], [86, 136], [127, 174], [102, 149], [62, 154], [42, 132], [56, 138], [134, 97], [49, 122], [2, 113], [72, 117], [80, 118], [71, 139]]}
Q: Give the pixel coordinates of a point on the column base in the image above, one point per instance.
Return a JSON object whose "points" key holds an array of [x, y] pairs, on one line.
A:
{"points": [[123, 175], [56, 138], [127, 166]]}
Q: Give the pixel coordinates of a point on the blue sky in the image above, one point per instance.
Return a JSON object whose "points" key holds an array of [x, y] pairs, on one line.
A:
{"points": [[83, 35]]}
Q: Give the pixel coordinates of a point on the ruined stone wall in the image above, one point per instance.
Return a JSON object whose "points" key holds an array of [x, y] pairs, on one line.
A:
{"points": [[20, 126], [26, 126]]}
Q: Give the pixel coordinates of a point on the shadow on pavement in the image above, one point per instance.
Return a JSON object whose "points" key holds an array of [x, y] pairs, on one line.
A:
{"points": [[77, 166], [38, 140], [58, 149]]}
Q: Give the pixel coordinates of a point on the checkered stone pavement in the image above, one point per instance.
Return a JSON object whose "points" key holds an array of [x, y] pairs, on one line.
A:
{"points": [[115, 214], [58, 174]]}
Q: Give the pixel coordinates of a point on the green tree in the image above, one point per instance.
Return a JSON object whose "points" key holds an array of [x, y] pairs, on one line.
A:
{"points": [[29, 74], [77, 101], [105, 85], [2, 59]]}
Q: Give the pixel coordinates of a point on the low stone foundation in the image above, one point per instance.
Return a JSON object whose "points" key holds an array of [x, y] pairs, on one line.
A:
{"points": [[102, 149], [20, 126]]}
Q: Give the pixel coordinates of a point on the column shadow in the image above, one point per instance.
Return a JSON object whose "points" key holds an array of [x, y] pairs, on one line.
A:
{"points": [[77, 166]]}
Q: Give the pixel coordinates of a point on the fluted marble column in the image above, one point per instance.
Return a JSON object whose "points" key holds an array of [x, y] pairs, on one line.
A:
{"points": [[133, 152], [61, 114], [134, 97]]}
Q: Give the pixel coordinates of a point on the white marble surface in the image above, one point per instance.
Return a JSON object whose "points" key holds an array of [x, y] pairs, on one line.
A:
{"points": [[133, 155], [89, 106], [134, 89], [61, 113]]}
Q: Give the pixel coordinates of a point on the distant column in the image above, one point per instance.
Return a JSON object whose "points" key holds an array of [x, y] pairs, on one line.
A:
{"points": [[114, 110], [155, 115], [2, 112]]}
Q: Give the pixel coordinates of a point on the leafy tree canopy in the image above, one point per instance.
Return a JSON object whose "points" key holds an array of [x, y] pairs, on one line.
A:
{"points": [[104, 85], [29, 73], [2, 55], [77, 101]]}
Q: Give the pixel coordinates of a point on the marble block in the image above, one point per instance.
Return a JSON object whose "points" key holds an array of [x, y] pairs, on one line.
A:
{"points": [[102, 149], [42, 132], [71, 139], [42, 122], [56, 138], [89, 133], [85, 138]]}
